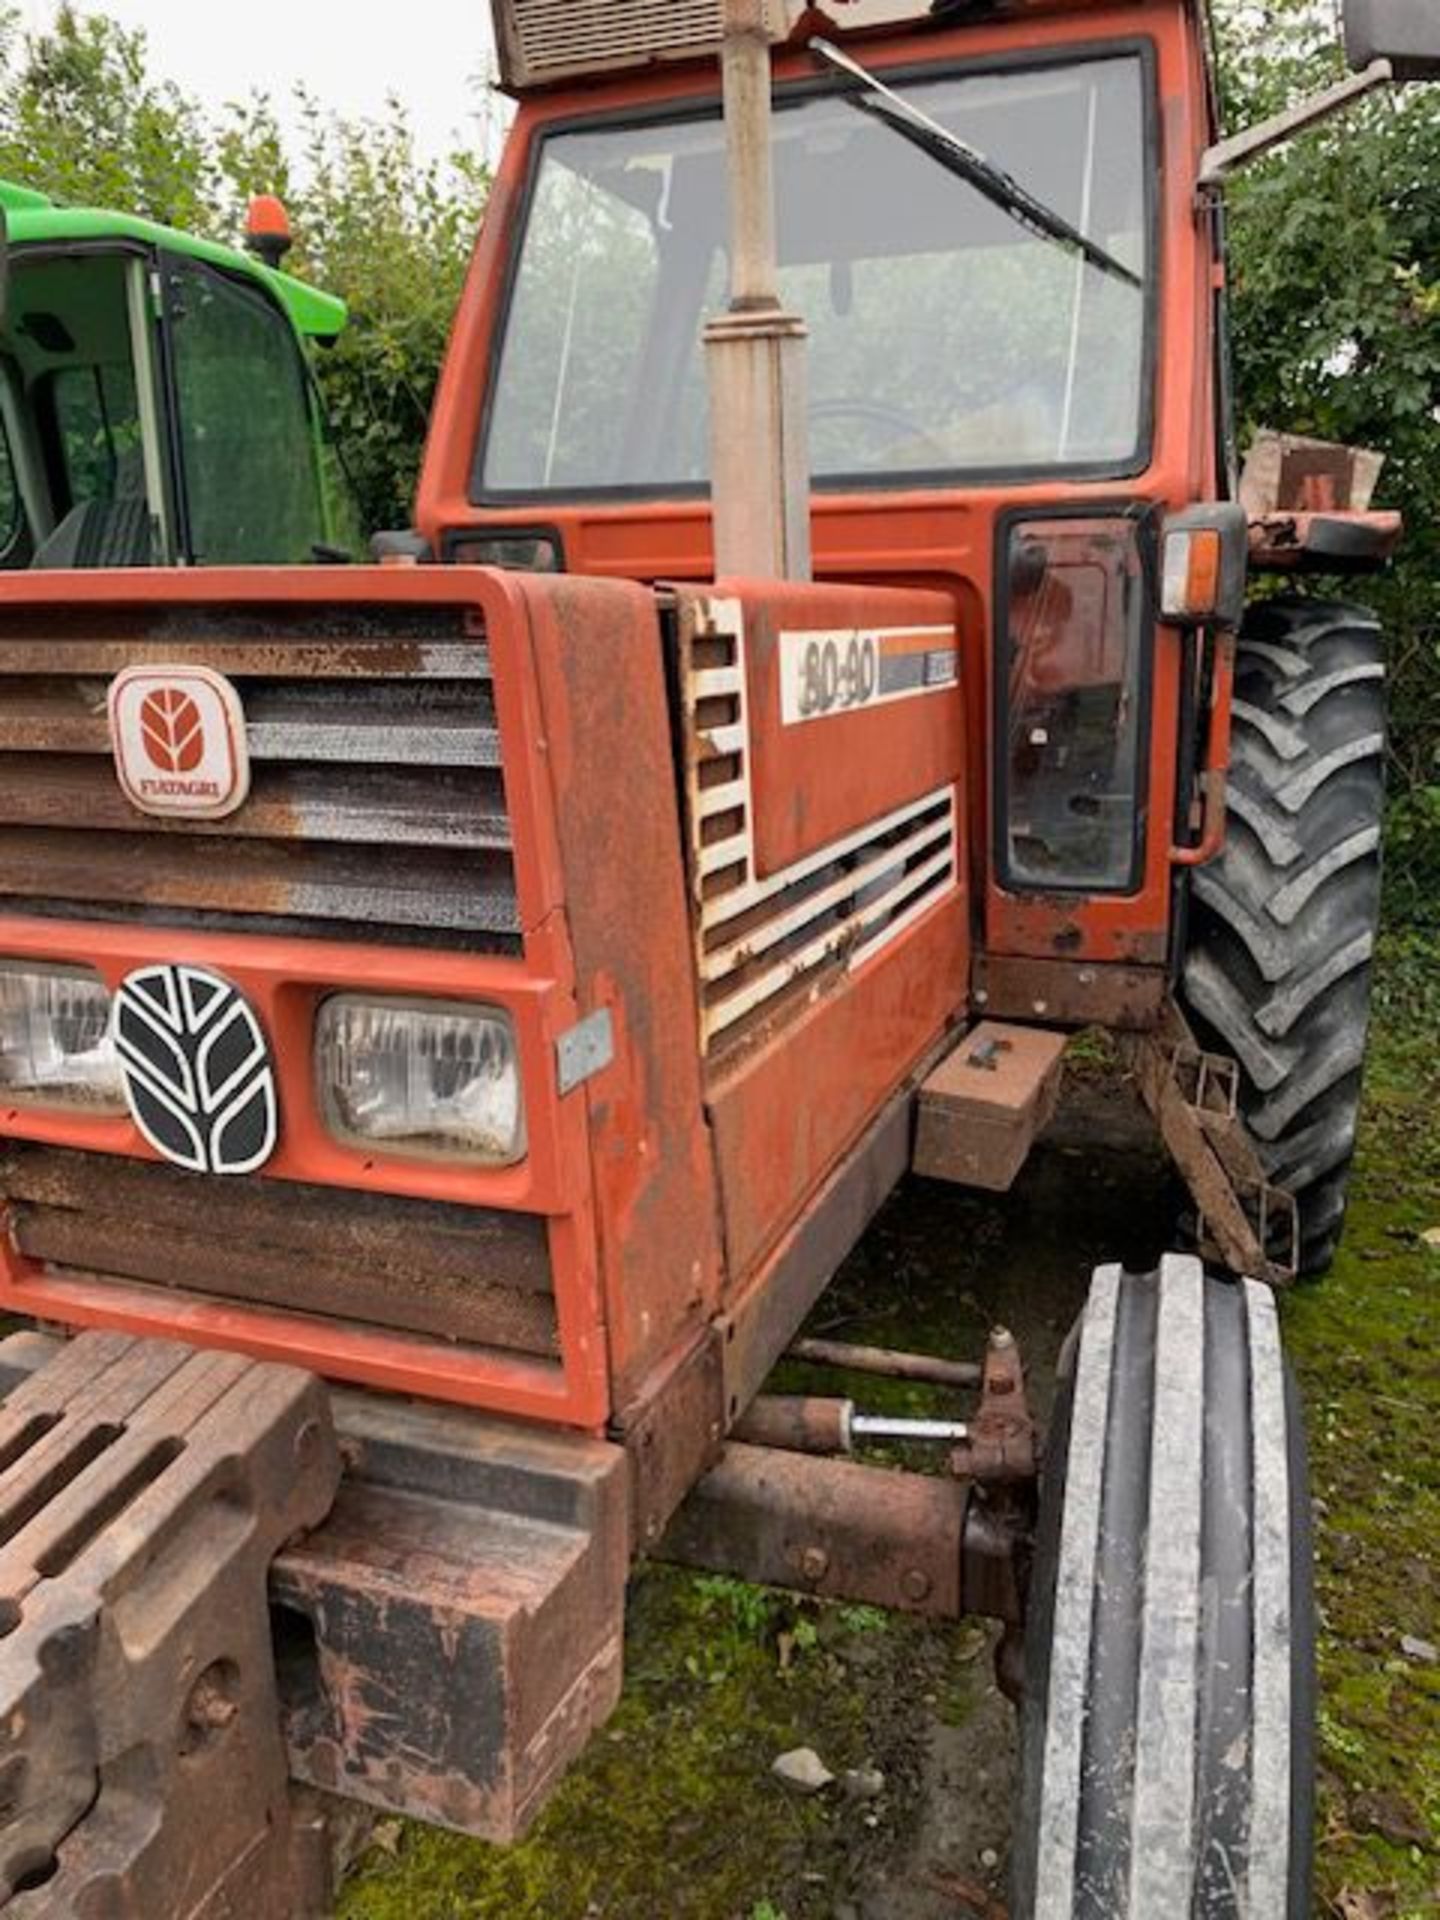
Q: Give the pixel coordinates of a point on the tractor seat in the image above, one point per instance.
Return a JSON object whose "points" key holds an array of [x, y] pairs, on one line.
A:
{"points": [[101, 533]]}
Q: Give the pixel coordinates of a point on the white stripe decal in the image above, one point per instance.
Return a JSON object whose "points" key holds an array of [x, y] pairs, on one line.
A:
{"points": [[1269, 1850], [1059, 1821], [1162, 1856]]}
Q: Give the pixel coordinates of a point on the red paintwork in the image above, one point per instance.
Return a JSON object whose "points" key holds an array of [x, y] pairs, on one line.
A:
{"points": [[820, 780], [601, 719], [666, 1193], [784, 1115], [285, 979], [943, 537]]}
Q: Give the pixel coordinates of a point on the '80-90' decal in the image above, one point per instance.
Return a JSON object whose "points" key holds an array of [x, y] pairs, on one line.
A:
{"points": [[845, 670]]}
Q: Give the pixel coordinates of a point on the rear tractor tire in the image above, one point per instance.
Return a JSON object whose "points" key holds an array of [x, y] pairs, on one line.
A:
{"points": [[1283, 926], [1166, 1731]]}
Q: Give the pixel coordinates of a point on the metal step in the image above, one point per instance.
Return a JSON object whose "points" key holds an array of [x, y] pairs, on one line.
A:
{"points": [[1245, 1223]]}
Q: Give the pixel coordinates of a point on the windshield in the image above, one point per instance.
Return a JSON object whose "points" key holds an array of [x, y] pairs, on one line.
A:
{"points": [[946, 337]]}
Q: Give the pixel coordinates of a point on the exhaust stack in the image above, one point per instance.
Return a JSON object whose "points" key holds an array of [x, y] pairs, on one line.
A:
{"points": [[756, 352]]}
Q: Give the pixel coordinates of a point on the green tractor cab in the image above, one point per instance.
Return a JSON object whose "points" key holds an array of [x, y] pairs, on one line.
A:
{"points": [[157, 403]]}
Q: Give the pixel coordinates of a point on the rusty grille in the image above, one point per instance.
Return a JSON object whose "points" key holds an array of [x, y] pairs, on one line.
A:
{"points": [[424, 1267], [377, 799], [542, 40]]}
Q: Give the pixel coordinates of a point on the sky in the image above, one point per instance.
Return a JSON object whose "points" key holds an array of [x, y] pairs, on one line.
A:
{"points": [[429, 52]]}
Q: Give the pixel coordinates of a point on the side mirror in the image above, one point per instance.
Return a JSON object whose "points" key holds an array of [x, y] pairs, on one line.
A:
{"points": [[1404, 32]]}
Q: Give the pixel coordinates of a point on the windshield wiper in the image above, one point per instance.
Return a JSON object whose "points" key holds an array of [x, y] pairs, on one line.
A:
{"points": [[958, 157]]}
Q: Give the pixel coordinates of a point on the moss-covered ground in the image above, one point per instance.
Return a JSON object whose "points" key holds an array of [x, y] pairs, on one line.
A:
{"points": [[1366, 1346], [674, 1813]]}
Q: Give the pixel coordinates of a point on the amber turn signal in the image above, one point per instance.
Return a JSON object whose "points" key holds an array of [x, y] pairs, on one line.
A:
{"points": [[1203, 566]]}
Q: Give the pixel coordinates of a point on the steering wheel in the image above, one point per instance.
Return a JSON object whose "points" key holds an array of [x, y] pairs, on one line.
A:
{"points": [[878, 414]]}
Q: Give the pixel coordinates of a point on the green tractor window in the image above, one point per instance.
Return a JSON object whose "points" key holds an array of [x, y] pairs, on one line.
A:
{"points": [[97, 417], [248, 430]]}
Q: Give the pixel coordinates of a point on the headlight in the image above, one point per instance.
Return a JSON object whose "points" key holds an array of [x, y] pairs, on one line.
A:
{"points": [[55, 1045], [427, 1077]]}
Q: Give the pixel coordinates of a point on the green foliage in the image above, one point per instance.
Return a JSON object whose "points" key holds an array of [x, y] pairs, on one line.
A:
{"points": [[737, 1618], [82, 119], [1336, 276], [394, 235], [857, 1619]]}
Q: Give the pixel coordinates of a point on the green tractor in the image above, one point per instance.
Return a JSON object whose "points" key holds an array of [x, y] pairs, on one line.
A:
{"points": [[157, 401]]}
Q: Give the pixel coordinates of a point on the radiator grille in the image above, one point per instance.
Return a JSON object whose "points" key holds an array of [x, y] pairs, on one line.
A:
{"points": [[459, 1274], [549, 39], [763, 943], [377, 799]]}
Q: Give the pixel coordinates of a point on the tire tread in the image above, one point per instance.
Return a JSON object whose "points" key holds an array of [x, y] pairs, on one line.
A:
{"points": [[1283, 926]]}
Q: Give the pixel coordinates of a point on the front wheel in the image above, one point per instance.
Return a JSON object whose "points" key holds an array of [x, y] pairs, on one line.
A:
{"points": [[1166, 1734]]}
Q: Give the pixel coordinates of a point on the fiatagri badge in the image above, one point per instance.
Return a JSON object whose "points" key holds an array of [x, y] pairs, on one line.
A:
{"points": [[178, 735]]}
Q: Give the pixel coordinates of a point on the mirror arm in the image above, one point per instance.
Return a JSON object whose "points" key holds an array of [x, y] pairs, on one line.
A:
{"points": [[1217, 163]]}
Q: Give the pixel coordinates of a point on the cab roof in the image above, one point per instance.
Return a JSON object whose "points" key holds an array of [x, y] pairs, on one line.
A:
{"points": [[32, 219]]}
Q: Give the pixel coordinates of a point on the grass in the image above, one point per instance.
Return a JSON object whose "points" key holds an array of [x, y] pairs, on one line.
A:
{"points": [[672, 1814], [1366, 1346]]}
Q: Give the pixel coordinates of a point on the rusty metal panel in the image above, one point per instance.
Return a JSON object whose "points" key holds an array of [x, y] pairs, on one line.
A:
{"points": [[790, 1107], [671, 1433], [299, 652], [355, 886], [606, 723], [145, 1490], [377, 799], [394, 806], [982, 1108], [453, 1272], [828, 1527], [1331, 542], [887, 723], [766, 1317], [1071, 993], [806, 861], [346, 722], [454, 1629]]}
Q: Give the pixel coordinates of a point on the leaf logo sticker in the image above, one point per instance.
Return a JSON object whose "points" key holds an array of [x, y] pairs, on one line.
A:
{"points": [[199, 1080], [173, 731]]}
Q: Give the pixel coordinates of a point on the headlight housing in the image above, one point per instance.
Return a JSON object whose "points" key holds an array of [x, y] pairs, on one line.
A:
{"points": [[55, 1041], [433, 1079]]}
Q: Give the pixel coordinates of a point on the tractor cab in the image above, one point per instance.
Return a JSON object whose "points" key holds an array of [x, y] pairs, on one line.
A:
{"points": [[157, 406]]}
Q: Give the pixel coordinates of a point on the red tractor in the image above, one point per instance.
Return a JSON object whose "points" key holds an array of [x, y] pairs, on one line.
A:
{"points": [[456, 1015]]}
